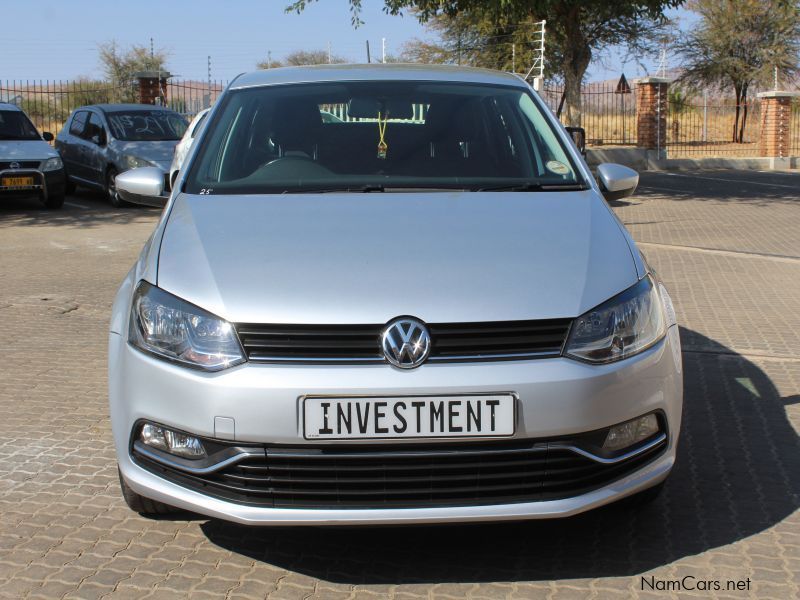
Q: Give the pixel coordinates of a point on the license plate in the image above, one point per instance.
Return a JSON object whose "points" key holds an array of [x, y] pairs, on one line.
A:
{"points": [[408, 417], [17, 181]]}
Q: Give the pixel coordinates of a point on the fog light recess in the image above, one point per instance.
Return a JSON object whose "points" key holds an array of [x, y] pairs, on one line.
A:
{"points": [[166, 440], [631, 432]]}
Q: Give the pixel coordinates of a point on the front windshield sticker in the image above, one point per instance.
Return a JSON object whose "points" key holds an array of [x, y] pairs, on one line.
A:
{"points": [[556, 167]]}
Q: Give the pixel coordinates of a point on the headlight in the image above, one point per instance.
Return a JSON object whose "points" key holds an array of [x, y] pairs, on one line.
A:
{"points": [[171, 328], [52, 164], [134, 162], [627, 324]]}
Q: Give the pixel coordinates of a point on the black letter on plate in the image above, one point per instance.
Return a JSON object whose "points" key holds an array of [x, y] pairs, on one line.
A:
{"points": [[378, 416], [492, 404], [437, 415], [473, 416], [362, 424], [326, 428], [452, 413], [341, 418], [400, 417], [418, 406]]}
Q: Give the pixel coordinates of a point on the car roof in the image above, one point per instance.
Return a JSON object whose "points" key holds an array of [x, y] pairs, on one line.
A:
{"points": [[375, 72], [9, 106], [117, 107]]}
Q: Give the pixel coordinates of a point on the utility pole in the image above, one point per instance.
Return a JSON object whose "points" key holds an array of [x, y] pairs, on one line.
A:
{"points": [[269, 59], [383, 50], [368, 58], [329, 53], [208, 97], [152, 53]]}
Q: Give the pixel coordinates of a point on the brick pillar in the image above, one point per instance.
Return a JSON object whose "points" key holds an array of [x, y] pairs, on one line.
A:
{"points": [[152, 87], [651, 113], [776, 124]]}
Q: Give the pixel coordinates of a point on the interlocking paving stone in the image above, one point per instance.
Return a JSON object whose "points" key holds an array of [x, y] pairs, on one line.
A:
{"points": [[729, 512]]}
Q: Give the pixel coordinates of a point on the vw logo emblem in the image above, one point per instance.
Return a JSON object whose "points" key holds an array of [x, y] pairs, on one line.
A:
{"points": [[14, 165], [406, 342]]}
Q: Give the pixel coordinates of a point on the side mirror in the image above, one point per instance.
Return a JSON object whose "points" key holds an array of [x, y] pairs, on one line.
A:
{"points": [[144, 185], [616, 181], [47, 136], [578, 135]]}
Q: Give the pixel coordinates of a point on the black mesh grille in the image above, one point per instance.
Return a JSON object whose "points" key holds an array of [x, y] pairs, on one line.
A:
{"points": [[361, 343], [442, 475], [23, 164]]}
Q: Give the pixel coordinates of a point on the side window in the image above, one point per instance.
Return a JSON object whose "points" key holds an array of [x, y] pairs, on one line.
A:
{"points": [[95, 127], [197, 125], [78, 123]]}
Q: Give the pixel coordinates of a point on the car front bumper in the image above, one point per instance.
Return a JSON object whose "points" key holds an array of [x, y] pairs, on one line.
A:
{"points": [[45, 184], [556, 398]]}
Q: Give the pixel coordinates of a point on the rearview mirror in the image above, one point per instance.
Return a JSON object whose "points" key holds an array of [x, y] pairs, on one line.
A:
{"points": [[144, 185], [616, 181], [578, 135], [47, 136]]}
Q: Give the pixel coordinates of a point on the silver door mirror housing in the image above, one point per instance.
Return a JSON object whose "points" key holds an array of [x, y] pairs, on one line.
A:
{"points": [[144, 185], [616, 181]]}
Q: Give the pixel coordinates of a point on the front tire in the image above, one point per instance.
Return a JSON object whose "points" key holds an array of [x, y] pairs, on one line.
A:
{"points": [[54, 202], [111, 189], [140, 504]]}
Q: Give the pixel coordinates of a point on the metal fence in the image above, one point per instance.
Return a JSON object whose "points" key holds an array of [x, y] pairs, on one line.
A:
{"points": [[49, 103], [609, 112], [190, 97], [695, 125], [712, 127]]}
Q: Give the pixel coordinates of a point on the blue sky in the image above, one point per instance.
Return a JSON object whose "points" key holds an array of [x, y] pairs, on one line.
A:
{"points": [[60, 39]]}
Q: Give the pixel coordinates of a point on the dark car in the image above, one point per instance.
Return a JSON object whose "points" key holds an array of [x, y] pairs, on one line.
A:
{"points": [[28, 165], [98, 142]]}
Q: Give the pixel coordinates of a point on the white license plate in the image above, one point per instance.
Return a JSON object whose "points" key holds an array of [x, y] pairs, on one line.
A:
{"points": [[408, 417]]}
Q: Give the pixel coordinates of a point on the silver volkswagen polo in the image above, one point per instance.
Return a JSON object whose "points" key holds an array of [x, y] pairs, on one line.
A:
{"points": [[422, 310]]}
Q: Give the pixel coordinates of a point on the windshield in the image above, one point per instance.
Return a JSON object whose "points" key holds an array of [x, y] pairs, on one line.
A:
{"points": [[372, 136], [14, 125], [146, 125]]}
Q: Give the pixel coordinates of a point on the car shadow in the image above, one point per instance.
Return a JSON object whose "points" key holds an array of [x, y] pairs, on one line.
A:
{"points": [[735, 187], [85, 209], [737, 474]]}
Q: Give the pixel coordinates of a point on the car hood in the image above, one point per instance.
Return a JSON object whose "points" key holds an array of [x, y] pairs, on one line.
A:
{"points": [[157, 152], [367, 258], [25, 150]]}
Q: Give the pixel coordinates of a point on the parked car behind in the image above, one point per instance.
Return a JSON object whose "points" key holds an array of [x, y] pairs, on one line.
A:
{"points": [[98, 142], [408, 316], [182, 149], [28, 165]]}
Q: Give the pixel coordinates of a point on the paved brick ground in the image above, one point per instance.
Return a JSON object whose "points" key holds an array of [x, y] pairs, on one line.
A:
{"points": [[727, 245]]}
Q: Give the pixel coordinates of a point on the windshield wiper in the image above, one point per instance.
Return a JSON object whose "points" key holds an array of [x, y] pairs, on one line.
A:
{"points": [[531, 186], [344, 189]]}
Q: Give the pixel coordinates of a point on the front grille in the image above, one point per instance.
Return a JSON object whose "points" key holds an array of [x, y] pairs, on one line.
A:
{"points": [[361, 343], [405, 476], [23, 164]]}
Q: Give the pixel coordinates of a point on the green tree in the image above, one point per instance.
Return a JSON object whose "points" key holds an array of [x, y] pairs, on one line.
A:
{"points": [[740, 43], [300, 58], [119, 65], [576, 29]]}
